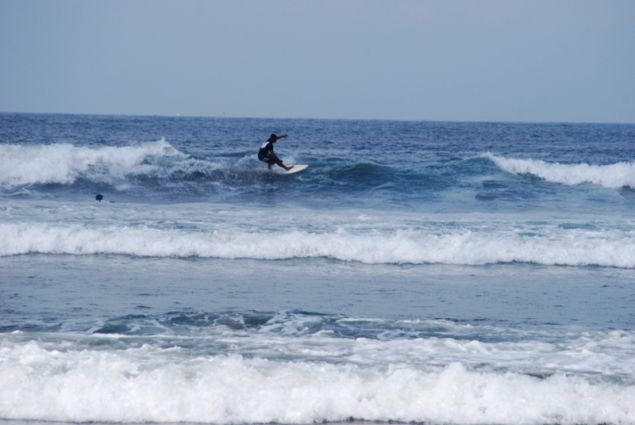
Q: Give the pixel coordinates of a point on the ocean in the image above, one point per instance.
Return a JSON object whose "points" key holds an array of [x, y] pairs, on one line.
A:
{"points": [[416, 272]]}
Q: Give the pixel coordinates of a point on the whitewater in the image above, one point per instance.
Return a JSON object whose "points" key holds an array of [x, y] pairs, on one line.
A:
{"points": [[139, 386], [570, 247], [416, 272], [620, 174]]}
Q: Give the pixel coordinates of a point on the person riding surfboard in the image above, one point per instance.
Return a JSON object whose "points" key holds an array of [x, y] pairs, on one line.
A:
{"points": [[266, 153]]}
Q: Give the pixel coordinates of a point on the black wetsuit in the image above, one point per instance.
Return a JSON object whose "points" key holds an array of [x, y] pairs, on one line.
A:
{"points": [[266, 154]]}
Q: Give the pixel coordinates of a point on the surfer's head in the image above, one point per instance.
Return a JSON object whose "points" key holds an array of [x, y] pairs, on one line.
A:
{"points": [[273, 138], [99, 197]]}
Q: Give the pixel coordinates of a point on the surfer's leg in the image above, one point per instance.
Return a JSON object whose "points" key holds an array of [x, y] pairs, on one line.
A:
{"points": [[273, 159], [280, 164]]}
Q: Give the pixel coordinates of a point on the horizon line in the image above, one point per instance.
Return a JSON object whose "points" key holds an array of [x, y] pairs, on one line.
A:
{"points": [[457, 121]]}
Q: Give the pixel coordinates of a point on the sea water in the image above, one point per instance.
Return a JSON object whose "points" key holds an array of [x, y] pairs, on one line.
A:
{"points": [[441, 273]]}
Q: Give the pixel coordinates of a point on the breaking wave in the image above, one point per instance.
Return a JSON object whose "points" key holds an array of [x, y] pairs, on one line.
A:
{"points": [[64, 163], [620, 174], [149, 384], [570, 247]]}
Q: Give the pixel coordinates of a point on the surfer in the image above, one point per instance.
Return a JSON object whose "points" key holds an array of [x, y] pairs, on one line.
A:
{"points": [[267, 154]]}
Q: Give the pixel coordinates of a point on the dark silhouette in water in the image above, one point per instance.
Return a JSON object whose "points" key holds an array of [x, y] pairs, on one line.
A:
{"points": [[265, 153], [99, 197]]}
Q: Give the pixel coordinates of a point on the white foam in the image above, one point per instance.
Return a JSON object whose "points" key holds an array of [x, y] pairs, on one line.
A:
{"points": [[64, 163], [152, 385], [611, 176], [554, 246], [586, 353]]}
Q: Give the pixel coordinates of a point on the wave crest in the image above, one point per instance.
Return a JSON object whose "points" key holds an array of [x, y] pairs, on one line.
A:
{"points": [[570, 247], [63, 162], [611, 176]]}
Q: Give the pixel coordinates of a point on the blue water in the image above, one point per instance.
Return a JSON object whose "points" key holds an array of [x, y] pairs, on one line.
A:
{"points": [[463, 273]]}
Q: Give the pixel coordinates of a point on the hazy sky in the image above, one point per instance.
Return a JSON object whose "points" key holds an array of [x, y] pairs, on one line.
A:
{"points": [[498, 60]]}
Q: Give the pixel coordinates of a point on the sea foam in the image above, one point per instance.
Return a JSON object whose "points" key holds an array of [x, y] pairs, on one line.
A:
{"points": [[572, 247], [149, 384], [616, 175], [63, 162]]}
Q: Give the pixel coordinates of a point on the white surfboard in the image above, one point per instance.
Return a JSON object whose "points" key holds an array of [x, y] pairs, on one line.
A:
{"points": [[296, 169]]}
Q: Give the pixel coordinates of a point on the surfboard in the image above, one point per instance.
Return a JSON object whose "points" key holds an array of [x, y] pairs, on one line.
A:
{"points": [[296, 169]]}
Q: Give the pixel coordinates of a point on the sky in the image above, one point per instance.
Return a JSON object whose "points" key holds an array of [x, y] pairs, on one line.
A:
{"points": [[449, 60]]}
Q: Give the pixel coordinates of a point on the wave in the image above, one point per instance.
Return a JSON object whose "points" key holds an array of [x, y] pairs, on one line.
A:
{"points": [[141, 170], [159, 165], [149, 384], [303, 336], [362, 171], [570, 247], [620, 174], [64, 163]]}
